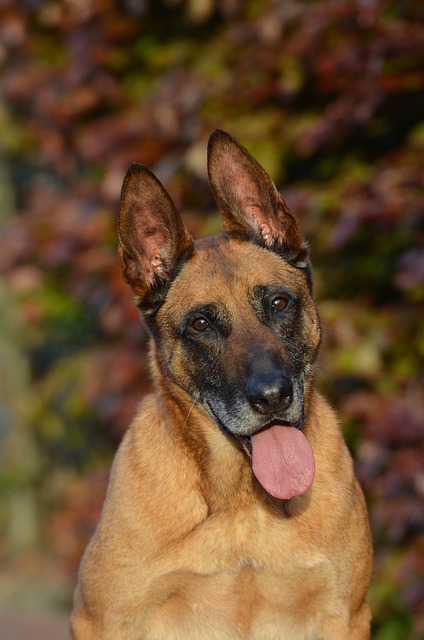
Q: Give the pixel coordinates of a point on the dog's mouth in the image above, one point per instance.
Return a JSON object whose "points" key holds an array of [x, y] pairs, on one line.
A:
{"points": [[282, 457], [282, 460]]}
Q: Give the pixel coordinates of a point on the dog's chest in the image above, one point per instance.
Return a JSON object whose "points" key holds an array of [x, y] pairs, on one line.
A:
{"points": [[253, 605], [236, 580]]}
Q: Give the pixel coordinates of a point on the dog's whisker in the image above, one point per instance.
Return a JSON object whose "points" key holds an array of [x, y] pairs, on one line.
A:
{"points": [[334, 332], [195, 399]]}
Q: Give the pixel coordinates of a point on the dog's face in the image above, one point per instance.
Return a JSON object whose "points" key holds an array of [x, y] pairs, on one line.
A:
{"points": [[238, 329], [232, 316]]}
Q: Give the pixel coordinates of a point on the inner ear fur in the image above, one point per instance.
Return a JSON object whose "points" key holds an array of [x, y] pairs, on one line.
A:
{"points": [[249, 201], [152, 236]]}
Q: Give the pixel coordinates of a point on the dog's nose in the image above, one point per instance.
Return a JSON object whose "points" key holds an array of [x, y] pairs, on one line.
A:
{"points": [[270, 393]]}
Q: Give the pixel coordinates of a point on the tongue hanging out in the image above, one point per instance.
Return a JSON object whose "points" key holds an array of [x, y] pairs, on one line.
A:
{"points": [[283, 461]]}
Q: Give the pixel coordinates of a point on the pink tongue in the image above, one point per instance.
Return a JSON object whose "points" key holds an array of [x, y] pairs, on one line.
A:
{"points": [[283, 461]]}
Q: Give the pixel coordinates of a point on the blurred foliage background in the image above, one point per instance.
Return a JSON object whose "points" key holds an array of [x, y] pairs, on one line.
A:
{"points": [[329, 96]]}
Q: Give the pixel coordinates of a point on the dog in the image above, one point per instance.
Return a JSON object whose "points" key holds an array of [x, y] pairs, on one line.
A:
{"points": [[233, 511]]}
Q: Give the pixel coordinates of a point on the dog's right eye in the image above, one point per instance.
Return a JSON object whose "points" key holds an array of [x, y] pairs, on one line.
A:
{"points": [[279, 304], [200, 325]]}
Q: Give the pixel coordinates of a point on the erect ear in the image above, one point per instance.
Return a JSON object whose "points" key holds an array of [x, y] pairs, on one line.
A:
{"points": [[249, 201], [152, 237]]}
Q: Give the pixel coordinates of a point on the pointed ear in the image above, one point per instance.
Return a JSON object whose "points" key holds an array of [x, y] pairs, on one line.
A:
{"points": [[152, 237], [249, 201]]}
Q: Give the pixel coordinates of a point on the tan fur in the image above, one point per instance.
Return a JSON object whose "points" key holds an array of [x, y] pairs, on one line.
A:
{"points": [[190, 546]]}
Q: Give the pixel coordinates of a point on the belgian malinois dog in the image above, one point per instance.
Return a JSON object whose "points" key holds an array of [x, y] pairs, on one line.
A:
{"points": [[232, 511]]}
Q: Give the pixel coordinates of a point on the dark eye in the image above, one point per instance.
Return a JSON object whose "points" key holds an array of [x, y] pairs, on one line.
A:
{"points": [[279, 304], [200, 325]]}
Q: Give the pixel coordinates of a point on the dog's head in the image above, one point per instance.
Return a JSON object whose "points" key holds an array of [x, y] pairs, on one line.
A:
{"points": [[232, 315]]}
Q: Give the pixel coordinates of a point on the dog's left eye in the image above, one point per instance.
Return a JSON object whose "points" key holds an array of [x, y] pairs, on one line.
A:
{"points": [[279, 304], [200, 325]]}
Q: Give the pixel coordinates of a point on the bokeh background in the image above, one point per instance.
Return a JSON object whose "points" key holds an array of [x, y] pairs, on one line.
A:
{"points": [[329, 97]]}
